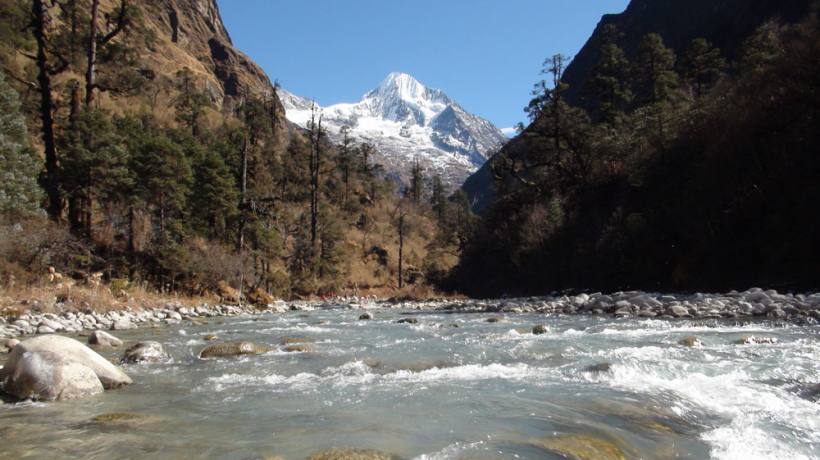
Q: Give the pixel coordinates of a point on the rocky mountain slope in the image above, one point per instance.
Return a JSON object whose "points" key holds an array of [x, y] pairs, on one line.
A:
{"points": [[406, 121], [725, 23]]}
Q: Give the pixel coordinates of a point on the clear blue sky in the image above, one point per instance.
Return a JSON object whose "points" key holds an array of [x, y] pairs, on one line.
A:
{"points": [[485, 54]]}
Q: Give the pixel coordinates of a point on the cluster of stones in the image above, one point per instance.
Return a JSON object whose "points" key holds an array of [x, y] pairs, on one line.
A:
{"points": [[754, 303], [70, 321]]}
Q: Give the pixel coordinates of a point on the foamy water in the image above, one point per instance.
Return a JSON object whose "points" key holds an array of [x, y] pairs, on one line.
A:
{"points": [[433, 391]]}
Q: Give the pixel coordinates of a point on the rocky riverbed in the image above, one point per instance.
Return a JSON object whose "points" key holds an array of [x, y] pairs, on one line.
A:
{"points": [[754, 303]]}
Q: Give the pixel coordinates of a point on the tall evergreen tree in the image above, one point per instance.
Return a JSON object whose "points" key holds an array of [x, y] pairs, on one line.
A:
{"points": [[19, 165], [416, 182], [439, 200], [655, 74], [190, 102], [609, 86], [702, 66]]}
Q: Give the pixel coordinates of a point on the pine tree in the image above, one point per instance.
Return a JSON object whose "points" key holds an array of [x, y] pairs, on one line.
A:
{"points": [[94, 167], [163, 183], [702, 66], [190, 102], [439, 201], [214, 196], [609, 85], [19, 166], [416, 182], [655, 74]]}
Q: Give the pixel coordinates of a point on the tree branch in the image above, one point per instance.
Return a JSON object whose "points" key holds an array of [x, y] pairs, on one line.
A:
{"points": [[122, 23]]}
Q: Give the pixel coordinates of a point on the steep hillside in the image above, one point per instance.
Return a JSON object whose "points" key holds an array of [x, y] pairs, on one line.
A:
{"points": [[725, 23]]}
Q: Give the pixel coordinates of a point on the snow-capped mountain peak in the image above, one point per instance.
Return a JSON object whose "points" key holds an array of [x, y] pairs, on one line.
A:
{"points": [[407, 121]]}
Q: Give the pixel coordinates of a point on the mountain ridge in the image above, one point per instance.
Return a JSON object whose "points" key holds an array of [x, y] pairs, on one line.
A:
{"points": [[407, 121]]}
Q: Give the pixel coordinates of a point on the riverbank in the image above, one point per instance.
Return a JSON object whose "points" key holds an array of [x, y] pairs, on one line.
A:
{"points": [[64, 317]]}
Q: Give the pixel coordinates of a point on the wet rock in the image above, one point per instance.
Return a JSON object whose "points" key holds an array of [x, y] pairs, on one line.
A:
{"points": [[455, 326], [210, 337], [123, 325], [125, 419], [292, 340], [70, 350], [47, 376], [690, 341], [366, 316], [540, 329], [582, 447], [104, 339], [351, 454], [600, 368], [407, 321], [753, 340], [226, 350], [677, 311], [494, 319], [298, 348], [145, 352]]}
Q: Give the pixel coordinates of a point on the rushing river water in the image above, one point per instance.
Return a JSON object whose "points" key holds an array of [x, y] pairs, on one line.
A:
{"points": [[434, 391]]}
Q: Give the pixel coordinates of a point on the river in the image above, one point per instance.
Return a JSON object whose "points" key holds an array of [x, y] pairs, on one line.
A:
{"points": [[451, 386]]}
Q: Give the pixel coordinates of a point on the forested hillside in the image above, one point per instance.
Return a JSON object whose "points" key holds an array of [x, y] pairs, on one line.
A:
{"points": [[159, 155], [690, 170]]}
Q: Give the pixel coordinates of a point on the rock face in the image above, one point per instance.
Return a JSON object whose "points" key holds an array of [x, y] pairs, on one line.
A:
{"points": [[69, 350], [145, 352], [48, 376], [226, 350]]}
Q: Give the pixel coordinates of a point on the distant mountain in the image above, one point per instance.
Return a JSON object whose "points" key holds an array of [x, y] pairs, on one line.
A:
{"points": [[405, 120]]}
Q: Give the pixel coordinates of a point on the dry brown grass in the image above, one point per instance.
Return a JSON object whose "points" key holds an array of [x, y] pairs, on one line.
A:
{"points": [[47, 298]]}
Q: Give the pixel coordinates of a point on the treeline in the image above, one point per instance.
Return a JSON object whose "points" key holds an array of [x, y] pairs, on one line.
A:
{"points": [[686, 172], [192, 199]]}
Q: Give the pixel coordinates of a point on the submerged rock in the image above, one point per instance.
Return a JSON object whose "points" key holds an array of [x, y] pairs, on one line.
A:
{"points": [[210, 337], [293, 340], [103, 339], [407, 321], [494, 319], [582, 447], [226, 350], [145, 352], [71, 350], [366, 316], [47, 376], [299, 348], [599, 368], [690, 341], [352, 454], [753, 340], [540, 329]]}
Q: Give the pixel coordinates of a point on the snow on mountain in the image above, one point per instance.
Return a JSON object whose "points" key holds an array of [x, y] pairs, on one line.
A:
{"points": [[404, 120]]}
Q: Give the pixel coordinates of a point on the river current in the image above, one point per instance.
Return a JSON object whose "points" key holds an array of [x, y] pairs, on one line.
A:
{"points": [[451, 386]]}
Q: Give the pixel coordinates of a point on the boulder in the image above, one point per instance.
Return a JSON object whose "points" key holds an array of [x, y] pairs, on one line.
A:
{"points": [[690, 341], [540, 329], [366, 316], [145, 352], [47, 376], [494, 319], [104, 339], [226, 350], [600, 368], [70, 350], [582, 447], [351, 454], [677, 311], [299, 348]]}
